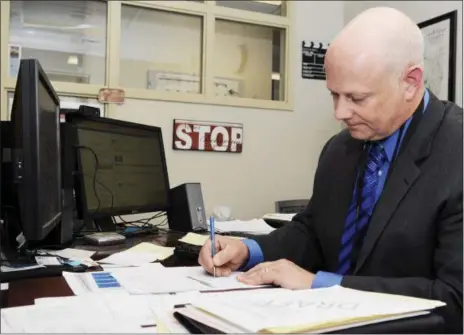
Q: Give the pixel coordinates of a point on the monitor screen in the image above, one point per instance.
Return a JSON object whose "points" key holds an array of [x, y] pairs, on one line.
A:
{"points": [[37, 158], [123, 167], [49, 155]]}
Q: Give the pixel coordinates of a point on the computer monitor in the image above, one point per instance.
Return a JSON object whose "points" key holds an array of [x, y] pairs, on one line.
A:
{"points": [[121, 169], [32, 142]]}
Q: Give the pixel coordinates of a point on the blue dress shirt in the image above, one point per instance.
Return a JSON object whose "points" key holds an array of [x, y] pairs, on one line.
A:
{"points": [[327, 279]]}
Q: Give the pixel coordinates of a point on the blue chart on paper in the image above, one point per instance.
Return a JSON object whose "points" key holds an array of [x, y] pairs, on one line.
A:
{"points": [[105, 280]]}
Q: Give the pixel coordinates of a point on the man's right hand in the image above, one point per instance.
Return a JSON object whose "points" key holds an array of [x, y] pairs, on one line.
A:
{"points": [[231, 254]]}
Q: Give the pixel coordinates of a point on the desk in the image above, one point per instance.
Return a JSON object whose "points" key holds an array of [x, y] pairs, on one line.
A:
{"points": [[23, 292]]}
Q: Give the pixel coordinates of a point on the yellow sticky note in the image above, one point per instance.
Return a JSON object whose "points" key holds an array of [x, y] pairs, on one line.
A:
{"points": [[162, 252], [197, 239]]}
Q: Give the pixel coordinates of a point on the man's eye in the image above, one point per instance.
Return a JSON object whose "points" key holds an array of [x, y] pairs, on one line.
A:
{"points": [[357, 100]]}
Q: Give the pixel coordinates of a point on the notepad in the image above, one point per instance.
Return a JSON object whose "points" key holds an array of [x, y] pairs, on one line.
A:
{"points": [[161, 252]]}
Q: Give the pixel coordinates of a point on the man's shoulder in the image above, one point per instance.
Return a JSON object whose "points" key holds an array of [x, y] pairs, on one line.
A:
{"points": [[453, 117], [450, 132]]}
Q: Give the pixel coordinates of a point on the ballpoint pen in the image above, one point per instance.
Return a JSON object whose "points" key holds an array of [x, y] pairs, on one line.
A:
{"points": [[213, 241]]}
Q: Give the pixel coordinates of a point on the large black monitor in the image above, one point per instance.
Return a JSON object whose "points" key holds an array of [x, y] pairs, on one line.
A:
{"points": [[34, 197], [121, 169]]}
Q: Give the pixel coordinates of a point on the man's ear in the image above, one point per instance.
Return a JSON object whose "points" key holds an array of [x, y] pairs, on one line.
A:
{"points": [[413, 80]]}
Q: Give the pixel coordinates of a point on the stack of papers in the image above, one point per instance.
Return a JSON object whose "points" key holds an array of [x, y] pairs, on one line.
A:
{"points": [[197, 239], [286, 311], [112, 313], [255, 226]]}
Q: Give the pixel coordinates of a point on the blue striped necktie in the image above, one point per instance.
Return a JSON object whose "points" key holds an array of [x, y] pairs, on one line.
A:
{"points": [[357, 221]]}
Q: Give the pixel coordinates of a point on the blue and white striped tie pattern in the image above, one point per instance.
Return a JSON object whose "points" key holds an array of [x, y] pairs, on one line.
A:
{"points": [[358, 221]]}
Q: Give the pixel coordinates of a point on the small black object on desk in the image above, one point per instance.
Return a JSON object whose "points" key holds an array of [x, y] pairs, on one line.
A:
{"points": [[49, 271]]}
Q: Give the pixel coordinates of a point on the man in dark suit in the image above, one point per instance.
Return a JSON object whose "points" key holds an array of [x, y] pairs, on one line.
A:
{"points": [[386, 210]]}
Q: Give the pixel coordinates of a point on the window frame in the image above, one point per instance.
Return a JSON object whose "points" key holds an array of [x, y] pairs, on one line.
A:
{"points": [[210, 12]]}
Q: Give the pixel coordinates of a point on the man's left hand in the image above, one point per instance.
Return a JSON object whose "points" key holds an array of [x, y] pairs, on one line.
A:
{"points": [[282, 273]]}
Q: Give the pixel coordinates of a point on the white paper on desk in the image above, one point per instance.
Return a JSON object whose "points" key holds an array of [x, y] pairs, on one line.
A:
{"points": [[124, 307], [213, 283], [130, 258], [70, 253], [102, 313], [47, 260], [84, 283], [154, 280], [255, 226]]}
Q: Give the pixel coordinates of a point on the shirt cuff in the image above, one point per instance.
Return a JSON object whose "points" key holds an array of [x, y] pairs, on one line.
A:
{"points": [[326, 279], [255, 254]]}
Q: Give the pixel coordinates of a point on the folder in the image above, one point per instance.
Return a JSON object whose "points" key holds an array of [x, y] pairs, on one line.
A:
{"points": [[286, 311]]}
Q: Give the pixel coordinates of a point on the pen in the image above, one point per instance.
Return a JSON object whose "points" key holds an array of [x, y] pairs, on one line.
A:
{"points": [[213, 242]]}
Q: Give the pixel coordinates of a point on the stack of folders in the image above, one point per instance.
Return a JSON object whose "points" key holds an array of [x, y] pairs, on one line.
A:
{"points": [[280, 311]]}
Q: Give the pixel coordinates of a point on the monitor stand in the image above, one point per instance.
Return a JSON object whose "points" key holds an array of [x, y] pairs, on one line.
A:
{"points": [[105, 224]]}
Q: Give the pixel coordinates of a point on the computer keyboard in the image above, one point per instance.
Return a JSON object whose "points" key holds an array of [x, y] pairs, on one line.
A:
{"points": [[50, 271]]}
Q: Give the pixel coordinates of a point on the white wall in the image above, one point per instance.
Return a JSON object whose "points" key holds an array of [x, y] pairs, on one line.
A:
{"points": [[280, 149], [419, 11]]}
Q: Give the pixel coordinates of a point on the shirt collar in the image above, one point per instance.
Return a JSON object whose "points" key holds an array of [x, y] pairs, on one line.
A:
{"points": [[389, 143]]}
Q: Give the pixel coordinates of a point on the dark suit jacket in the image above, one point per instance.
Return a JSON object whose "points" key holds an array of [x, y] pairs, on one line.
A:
{"points": [[413, 245]]}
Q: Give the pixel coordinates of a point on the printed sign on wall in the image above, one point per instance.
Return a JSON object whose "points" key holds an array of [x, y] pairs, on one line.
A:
{"points": [[207, 136], [312, 61]]}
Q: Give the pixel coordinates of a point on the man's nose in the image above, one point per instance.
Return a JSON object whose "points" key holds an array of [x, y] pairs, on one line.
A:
{"points": [[342, 111]]}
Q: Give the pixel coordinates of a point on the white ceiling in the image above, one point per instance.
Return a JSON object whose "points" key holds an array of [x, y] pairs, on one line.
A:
{"points": [[268, 7]]}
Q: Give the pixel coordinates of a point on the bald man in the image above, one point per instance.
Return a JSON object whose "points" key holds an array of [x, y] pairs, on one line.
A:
{"points": [[386, 210]]}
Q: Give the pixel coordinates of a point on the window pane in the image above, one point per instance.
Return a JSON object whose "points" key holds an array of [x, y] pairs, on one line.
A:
{"points": [[67, 37], [160, 50], [266, 7], [249, 60], [66, 102]]}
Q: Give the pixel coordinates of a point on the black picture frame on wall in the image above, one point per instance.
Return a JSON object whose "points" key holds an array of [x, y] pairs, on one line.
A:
{"points": [[440, 54]]}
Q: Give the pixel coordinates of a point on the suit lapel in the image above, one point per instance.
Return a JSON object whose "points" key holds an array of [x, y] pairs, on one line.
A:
{"points": [[405, 172]]}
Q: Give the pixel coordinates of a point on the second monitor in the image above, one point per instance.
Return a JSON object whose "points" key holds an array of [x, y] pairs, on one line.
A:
{"points": [[121, 169]]}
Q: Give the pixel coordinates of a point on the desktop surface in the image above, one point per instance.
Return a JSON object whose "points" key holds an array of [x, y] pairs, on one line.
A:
{"points": [[23, 292]]}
